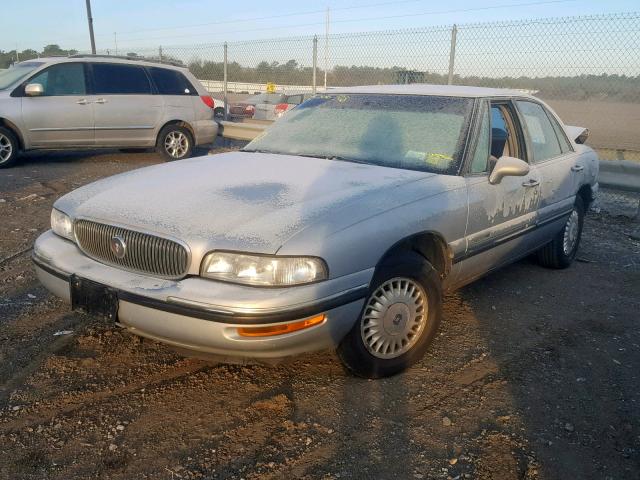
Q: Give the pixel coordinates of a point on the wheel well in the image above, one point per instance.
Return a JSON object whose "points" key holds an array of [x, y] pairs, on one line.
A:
{"points": [[430, 245], [7, 124], [180, 123], [587, 195]]}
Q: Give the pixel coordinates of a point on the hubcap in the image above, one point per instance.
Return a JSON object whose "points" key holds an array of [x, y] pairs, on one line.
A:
{"points": [[571, 233], [394, 317], [176, 144], [5, 148]]}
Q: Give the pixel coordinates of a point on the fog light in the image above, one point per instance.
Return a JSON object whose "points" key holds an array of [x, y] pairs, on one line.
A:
{"points": [[280, 329]]}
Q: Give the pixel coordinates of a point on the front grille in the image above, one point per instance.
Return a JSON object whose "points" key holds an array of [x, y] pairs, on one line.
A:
{"points": [[144, 253]]}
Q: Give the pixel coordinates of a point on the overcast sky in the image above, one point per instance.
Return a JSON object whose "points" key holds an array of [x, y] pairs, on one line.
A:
{"points": [[146, 23]]}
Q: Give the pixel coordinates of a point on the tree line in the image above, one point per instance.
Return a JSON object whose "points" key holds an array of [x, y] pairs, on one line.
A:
{"points": [[580, 87]]}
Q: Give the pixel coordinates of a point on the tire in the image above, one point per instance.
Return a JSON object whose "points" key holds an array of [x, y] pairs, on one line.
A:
{"points": [[9, 148], [396, 275], [175, 151], [558, 254]]}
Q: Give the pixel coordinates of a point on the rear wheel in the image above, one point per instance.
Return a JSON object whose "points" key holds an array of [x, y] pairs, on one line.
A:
{"points": [[560, 252], [8, 148], [175, 142], [399, 319]]}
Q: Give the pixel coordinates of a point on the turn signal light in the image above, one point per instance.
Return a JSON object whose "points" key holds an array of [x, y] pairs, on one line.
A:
{"points": [[280, 329]]}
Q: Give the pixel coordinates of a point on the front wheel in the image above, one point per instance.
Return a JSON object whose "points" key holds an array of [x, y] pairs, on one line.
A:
{"points": [[175, 143], [560, 252], [398, 321], [8, 148]]}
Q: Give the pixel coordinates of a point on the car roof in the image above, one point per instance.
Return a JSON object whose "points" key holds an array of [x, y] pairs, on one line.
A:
{"points": [[105, 59], [438, 90]]}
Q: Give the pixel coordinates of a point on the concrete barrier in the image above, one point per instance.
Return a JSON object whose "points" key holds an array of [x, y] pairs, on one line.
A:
{"points": [[620, 175]]}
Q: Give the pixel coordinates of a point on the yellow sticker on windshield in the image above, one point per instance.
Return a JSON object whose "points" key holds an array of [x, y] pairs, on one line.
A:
{"points": [[342, 98]]}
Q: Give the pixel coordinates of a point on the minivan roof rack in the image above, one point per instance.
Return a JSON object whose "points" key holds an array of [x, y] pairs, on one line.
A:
{"points": [[124, 57]]}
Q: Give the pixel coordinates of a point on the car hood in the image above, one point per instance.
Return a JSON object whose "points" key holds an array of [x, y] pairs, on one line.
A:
{"points": [[243, 201]]}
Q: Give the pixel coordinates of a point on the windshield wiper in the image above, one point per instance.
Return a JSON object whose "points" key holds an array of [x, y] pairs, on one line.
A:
{"points": [[345, 159]]}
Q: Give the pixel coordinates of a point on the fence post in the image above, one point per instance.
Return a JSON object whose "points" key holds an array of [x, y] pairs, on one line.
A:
{"points": [[160, 53], [315, 63], [452, 53], [224, 82]]}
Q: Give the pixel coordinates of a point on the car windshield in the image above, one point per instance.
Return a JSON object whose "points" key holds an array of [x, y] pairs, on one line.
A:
{"points": [[16, 73], [414, 132]]}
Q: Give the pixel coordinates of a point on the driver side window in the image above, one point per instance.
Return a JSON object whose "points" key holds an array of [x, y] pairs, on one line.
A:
{"points": [[496, 138], [62, 79]]}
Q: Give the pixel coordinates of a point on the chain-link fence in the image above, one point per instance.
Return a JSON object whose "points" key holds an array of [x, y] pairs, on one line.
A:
{"points": [[587, 68]]}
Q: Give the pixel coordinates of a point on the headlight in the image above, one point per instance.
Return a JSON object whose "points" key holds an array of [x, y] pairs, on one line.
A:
{"points": [[262, 270], [61, 224]]}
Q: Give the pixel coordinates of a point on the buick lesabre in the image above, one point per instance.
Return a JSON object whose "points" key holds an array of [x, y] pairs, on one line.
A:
{"points": [[340, 227]]}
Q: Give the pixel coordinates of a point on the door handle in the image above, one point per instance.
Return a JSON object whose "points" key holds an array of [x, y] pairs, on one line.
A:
{"points": [[101, 100], [531, 183], [577, 168], [82, 101]]}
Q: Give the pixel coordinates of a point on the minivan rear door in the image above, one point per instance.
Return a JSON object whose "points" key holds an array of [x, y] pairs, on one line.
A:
{"points": [[63, 115], [126, 111]]}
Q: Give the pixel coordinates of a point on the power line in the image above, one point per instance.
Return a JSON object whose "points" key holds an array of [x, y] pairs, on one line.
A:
{"points": [[311, 12], [385, 17]]}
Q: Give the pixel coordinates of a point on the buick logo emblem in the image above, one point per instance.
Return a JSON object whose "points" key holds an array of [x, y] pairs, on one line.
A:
{"points": [[118, 246]]}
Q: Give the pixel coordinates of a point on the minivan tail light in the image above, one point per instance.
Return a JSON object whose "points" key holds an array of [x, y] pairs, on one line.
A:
{"points": [[208, 101]]}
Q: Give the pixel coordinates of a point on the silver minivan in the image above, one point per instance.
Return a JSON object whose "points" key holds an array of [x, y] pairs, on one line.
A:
{"points": [[87, 101]]}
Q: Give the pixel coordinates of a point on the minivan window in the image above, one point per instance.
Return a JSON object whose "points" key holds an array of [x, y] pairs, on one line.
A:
{"points": [[62, 79], [171, 82], [119, 79], [16, 73]]}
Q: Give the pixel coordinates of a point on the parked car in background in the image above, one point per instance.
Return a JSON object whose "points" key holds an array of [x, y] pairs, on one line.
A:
{"points": [[87, 101], [341, 226], [266, 106]]}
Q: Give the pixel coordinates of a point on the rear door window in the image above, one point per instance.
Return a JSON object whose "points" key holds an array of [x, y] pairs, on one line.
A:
{"points": [[120, 79], [544, 140], [171, 82], [62, 79]]}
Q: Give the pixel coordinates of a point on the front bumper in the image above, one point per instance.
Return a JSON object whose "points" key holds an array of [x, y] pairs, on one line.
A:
{"points": [[203, 315]]}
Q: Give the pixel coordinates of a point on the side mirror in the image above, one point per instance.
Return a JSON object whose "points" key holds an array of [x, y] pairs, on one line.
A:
{"points": [[508, 167], [34, 90]]}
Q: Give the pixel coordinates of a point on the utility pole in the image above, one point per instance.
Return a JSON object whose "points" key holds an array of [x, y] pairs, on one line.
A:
{"points": [[326, 50], [90, 20], [115, 40]]}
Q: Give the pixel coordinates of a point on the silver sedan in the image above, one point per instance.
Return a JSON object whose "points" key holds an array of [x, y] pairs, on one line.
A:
{"points": [[340, 227]]}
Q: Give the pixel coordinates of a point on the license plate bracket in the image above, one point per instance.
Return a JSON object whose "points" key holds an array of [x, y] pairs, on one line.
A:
{"points": [[93, 298]]}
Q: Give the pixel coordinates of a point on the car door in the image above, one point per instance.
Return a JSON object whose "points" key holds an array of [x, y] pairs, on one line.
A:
{"points": [[500, 215], [126, 111], [554, 159], [63, 115]]}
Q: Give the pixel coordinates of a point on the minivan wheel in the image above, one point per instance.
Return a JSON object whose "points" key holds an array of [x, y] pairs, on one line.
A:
{"points": [[398, 321], [8, 148], [175, 142], [560, 252]]}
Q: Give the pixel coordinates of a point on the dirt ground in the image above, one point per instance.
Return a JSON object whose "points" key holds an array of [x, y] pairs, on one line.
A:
{"points": [[534, 375]]}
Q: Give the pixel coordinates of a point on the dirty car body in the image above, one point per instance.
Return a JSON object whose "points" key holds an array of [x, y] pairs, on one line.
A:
{"points": [[463, 179]]}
